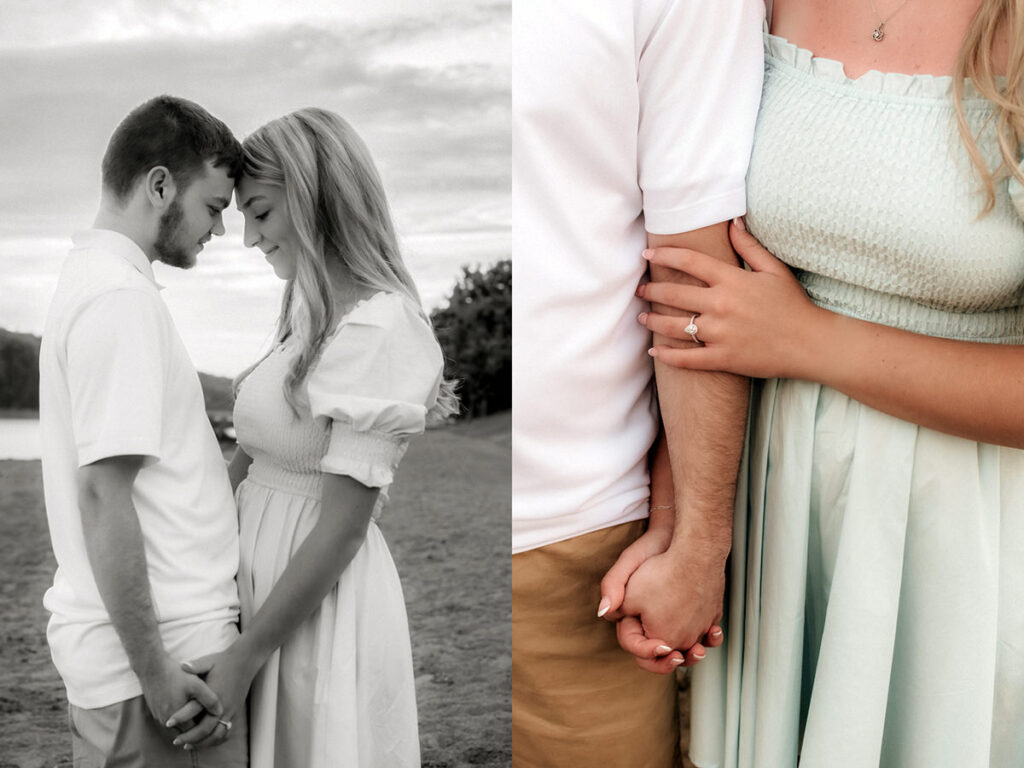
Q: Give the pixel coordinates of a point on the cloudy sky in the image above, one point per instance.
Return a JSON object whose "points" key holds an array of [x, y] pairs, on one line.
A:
{"points": [[425, 83]]}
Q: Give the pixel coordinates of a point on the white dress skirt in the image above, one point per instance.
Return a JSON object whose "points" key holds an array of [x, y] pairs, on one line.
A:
{"points": [[340, 690]]}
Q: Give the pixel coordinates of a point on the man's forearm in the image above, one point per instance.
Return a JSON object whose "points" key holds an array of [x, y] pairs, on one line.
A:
{"points": [[114, 544], [704, 417]]}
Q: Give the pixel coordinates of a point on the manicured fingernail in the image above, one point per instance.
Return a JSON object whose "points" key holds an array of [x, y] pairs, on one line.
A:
{"points": [[604, 607], [639, 291], [697, 656], [648, 253], [641, 318], [171, 723], [652, 352], [738, 221], [188, 747], [186, 666], [661, 650], [676, 661], [176, 742], [716, 633]]}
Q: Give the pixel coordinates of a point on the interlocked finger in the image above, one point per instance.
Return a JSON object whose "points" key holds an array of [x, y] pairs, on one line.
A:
{"points": [[209, 731]]}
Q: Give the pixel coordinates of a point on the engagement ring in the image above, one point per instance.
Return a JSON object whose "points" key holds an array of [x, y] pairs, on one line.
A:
{"points": [[692, 329]]}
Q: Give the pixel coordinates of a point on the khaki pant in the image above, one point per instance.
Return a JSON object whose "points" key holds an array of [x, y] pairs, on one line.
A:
{"points": [[126, 735], [578, 700]]}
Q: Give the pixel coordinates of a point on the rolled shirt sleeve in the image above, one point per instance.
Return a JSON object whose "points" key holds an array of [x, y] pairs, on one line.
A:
{"points": [[116, 376]]}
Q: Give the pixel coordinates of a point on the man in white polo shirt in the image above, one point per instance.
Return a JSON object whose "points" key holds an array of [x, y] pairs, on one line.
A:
{"points": [[139, 505], [633, 123]]}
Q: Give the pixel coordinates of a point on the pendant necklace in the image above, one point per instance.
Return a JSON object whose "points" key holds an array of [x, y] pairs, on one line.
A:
{"points": [[879, 31]]}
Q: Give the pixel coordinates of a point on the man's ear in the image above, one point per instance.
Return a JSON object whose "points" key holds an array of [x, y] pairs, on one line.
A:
{"points": [[160, 187]]}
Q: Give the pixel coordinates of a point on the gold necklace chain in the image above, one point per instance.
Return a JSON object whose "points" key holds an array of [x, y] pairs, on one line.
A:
{"points": [[879, 31]]}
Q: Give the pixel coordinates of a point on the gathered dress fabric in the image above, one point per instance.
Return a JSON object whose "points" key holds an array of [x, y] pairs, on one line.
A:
{"points": [[875, 614], [340, 690]]}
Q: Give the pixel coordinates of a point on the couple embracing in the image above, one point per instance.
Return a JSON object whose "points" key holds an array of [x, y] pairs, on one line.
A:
{"points": [[142, 511]]}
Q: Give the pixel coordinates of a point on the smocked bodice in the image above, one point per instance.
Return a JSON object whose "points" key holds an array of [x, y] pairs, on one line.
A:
{"points": [[864, 187]]}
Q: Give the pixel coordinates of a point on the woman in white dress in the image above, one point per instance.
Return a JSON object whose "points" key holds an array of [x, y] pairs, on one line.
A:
{"points": [[322, 421]]}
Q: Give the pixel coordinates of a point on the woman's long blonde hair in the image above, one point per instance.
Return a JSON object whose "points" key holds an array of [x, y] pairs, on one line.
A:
{"points": [[337, 205], [975, 62]]}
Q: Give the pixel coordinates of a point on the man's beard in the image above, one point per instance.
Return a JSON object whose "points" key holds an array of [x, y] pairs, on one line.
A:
{"points": [[167, 247]]}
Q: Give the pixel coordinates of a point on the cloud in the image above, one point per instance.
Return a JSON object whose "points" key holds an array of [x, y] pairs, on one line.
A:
{"points": [[425, 84]]}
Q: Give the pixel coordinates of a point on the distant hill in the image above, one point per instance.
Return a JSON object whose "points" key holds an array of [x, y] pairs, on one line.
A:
{"points": [[19, 377]]}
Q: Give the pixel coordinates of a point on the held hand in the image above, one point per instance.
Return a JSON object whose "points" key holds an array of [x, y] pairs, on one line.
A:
{"points": [[677, 597], [654, 655], [226, 673], [754, 323], [653, 541], [166, 686]]}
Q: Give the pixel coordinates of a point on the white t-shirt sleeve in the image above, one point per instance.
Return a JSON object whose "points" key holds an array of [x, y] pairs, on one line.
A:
{"points": [[375, 381], [116, 376], [699, 77]]}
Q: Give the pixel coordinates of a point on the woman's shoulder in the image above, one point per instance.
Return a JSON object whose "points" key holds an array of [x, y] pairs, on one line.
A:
{"points": [[385, 325], [387, 309]]}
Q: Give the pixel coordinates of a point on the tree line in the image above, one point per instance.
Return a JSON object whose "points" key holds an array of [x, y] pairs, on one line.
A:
{"points": [[475, 331]]}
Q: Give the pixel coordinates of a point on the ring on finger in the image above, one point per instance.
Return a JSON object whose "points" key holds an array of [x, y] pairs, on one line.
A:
{"points": [[226, 724], [692, 329]]}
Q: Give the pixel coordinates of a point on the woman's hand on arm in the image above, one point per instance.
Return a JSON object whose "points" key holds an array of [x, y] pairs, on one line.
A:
{"points": [[761, 323], [753, 323]]}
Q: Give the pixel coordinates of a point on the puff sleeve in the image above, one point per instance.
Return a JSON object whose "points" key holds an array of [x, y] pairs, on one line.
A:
{"points": [[375, 381]]}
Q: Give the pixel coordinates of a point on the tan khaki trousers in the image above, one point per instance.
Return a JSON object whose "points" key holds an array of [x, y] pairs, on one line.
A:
{"points": [[578, 700]]}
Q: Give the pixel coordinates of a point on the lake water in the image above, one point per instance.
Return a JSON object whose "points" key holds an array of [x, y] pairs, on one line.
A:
{"points": [[19, 439]]}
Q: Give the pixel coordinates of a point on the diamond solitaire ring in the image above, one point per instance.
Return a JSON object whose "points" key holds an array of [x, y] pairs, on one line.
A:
{"points": [[692, 329]]}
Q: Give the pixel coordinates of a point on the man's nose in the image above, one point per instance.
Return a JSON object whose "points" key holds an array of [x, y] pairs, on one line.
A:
{"points": [[218, 225]]}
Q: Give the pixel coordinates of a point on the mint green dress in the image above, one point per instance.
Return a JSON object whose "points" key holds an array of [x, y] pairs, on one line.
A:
{"points": [[876, 606]]}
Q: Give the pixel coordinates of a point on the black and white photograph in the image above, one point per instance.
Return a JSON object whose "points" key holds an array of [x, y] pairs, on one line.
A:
{"points": [[255, 383]]}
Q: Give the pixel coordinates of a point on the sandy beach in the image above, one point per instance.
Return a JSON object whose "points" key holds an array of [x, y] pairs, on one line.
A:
{"points": [[448, 529]]}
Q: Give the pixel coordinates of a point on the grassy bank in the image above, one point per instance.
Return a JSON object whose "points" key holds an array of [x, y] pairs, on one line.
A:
{"points": [[448, 528]]}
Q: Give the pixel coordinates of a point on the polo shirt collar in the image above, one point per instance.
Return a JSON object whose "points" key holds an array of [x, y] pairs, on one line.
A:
{"points": [[117, 245]]}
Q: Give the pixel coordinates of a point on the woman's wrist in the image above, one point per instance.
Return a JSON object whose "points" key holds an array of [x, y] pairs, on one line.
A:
{"points": [[247, 656], [813, 345]]}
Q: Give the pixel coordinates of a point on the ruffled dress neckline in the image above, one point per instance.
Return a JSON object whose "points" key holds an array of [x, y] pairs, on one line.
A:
{"points": [[781, 51]]}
